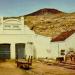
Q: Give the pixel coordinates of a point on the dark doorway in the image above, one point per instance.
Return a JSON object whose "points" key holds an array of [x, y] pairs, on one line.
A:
{"points": [[20, 50], [4, 51]]}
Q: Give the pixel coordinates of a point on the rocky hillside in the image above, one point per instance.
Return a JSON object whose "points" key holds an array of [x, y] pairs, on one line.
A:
{"points": [[50, 22]]}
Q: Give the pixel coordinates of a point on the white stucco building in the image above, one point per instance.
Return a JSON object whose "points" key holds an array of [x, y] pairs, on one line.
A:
{"points": [[14, 36], [18, 41], [63, 43]]}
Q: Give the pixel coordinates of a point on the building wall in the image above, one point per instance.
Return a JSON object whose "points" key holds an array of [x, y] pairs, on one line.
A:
{"points": [[54, 50], [70, 42], [14, 39], [56, 47], [42, 46], [14, 31]]}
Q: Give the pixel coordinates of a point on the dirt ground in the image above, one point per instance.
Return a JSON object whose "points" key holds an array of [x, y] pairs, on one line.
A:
{"points": [[38, 68]]}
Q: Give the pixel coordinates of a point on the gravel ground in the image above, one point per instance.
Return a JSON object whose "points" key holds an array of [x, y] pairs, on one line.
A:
{"points": [[38, 68]]}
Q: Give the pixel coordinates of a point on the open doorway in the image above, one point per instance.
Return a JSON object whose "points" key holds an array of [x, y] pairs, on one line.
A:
{"points": [[4, 51], [20, 50]]}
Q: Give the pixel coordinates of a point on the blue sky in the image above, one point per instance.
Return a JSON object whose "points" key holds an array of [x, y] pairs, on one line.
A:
{"points": [[21, 7]]}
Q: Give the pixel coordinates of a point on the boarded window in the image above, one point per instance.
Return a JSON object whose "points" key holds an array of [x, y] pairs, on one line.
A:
{"points": [[62, 52]]}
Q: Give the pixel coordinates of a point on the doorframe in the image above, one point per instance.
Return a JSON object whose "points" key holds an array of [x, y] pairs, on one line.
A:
{"points": [[16, 50], [9, 49]]}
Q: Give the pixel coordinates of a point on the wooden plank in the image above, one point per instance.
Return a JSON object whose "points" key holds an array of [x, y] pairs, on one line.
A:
{"points": [[24, 63]]}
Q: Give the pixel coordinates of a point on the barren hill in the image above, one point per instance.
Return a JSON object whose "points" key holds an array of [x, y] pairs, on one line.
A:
{"points": [[44, 11], [51, 22]]}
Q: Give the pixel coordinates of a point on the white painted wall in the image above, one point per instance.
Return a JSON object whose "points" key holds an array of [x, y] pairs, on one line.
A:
{"points": [[56, 47], [13, 36], [13, 39], [70, 42], [42, 46]]}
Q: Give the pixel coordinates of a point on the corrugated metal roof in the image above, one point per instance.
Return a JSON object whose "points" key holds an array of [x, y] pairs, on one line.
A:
{"points": [[63, 36]]}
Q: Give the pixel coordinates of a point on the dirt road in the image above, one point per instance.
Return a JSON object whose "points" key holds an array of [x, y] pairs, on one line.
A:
{"points": [[38, 68]]}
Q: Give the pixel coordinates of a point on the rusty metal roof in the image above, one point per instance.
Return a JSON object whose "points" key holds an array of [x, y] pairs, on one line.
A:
{"points": [[63, 36]]}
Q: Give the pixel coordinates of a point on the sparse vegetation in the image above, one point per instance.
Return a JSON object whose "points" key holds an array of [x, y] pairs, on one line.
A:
{"points": [[51, 25]]}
